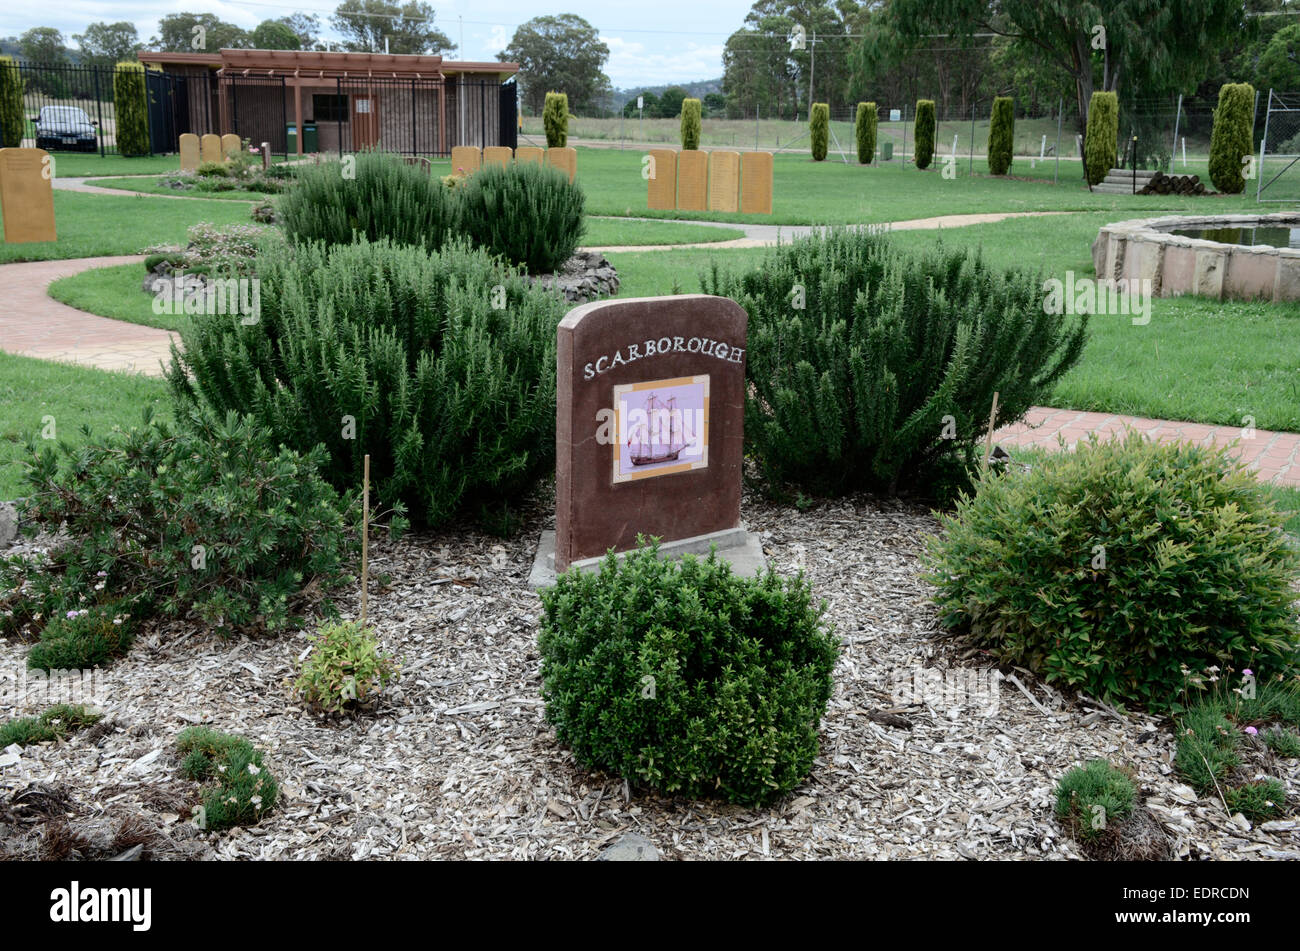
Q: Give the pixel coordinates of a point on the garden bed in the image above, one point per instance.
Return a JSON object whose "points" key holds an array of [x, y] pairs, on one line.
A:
{"points": [[460, 764]]}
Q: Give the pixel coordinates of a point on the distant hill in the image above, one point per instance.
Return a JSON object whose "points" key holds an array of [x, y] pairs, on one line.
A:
{"points": [[695, 90]]}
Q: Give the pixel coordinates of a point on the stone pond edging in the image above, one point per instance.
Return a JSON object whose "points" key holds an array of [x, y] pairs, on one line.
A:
{"points": [[1143, 249]]}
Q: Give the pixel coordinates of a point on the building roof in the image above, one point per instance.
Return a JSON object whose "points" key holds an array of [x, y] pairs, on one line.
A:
{"points": [[306, 62]]}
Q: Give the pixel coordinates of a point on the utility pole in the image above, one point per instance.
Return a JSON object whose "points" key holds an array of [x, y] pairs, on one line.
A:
{"points": [[812, 71]]}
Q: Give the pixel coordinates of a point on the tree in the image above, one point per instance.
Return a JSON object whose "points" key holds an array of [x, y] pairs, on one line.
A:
{"points": [[691, 124], [670, 103], [650, 106], [1155, 47], [11, 104], [864, 130], [274, 35], [130, 102], [1279, 65], [555, 120], [562, 53], [1103, 132], [365, 24], [1230, 141], [305, 26], [1002, 134], [715, 104], [107, 44], [197, 33], [43, 45], [923, 126], [819, 130]]}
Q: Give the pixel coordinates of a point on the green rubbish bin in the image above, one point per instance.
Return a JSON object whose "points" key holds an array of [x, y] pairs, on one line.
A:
{"points": [[310, 140], [291, 138], [888, 149]]}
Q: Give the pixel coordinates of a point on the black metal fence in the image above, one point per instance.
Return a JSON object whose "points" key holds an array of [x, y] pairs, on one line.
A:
{"points": [[72, 108]]}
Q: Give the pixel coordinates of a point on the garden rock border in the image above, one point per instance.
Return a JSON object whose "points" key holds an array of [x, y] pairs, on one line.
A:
{"points": [[585, 276]]}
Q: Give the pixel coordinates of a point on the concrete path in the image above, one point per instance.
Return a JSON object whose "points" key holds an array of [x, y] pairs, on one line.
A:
{"points": [[33, 324], [1274, 456]]}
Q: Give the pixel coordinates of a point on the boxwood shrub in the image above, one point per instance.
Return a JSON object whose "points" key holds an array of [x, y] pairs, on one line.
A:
{"points": [[684, 678], [869, 366], [1119, 566], [395, 352]]}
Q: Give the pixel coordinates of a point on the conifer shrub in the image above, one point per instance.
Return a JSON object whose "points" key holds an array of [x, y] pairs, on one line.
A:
{"points": [[864, 129], [924, 128], [529, 214], [385, 198], [692, 123], [399, 353], [555, 120], [203, 518], [683, 678], [869, 366], [12, 120], [1002, 134], [1230, 138], [1102, 136], [819, 127], [239, 788], [132, 109], [1117, 567]]}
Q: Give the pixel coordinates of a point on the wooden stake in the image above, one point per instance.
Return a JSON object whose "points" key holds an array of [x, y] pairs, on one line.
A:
{"points": [[988, 442], [365, 535]]}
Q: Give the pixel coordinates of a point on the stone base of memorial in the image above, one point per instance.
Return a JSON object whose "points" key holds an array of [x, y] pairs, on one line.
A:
{"points": [[649, 434]]}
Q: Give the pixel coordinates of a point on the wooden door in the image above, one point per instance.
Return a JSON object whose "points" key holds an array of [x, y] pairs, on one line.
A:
{"points": [[365, 120]]}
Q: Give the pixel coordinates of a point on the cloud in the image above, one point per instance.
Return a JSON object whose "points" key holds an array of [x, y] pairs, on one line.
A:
{"points": [[631, 63]]}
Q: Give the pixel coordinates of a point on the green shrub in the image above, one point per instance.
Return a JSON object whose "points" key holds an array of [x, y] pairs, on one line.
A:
{"points": [[555, 119], [692, 123], [1282, 742], [240, 790], [1118, 566], [864, 128], [203, 517], [56, 723], [82, 638], [685, 678], [385, 198], [1002, 134], [924, 127], [1091, 798], [529, 214], [12, 120], [1258, 801], [887, 373], [819, 127], [345, 669], [132, 109], [453, 398], [1102, 136], [228, 250], [1230, 139], [213, 170]]}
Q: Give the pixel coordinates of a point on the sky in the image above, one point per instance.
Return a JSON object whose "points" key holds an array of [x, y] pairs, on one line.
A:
{"points": [[649, 44]]}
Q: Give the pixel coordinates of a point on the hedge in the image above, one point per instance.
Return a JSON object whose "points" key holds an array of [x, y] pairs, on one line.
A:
{"points": [[924, 127], [555, 119], [864, 128], [691, 123], [1002, 128], [132, 107], [819, 126], [1103, 135], [12, 121]]}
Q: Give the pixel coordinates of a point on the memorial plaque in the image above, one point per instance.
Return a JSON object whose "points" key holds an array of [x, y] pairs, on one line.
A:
{"points": [[692, 179], [27, 195], [565, 159], [530, 153], [756, 183], [230, 145], [724, 181], [189, 146], [210, 148], [465, 160], [649, 423], [497, 155], [663, 183]]}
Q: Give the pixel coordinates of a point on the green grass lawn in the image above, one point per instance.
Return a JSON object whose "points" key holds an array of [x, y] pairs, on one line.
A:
{"points": [[93, 225], [152, 185], [75, 396], [115, 292], [77, 165]]}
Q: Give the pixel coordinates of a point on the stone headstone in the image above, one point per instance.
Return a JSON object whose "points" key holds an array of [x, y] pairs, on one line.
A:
{"points": [[692, 178], [189, 146], [530, 153], [649, 425], [756, 183], [465, 159], [724, 181], [230, 145], [210, 148], [565, 159], [27, 195], [662, 192], [497, 155]]}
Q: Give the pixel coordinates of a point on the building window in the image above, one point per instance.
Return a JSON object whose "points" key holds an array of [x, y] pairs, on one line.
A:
{"points": [[330, 108]]}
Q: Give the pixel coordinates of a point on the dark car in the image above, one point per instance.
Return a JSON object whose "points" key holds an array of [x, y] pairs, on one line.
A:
{"points": [[65, 128]]}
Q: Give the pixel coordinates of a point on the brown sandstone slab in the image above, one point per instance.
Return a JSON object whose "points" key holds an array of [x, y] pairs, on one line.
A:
{"points": [[465, 159], [724, 181], [692, 180], [662, 184], [189, 148], [210, 148], [565, 159], [530, 153], [27, 195], [756, 183], [497, 155]]}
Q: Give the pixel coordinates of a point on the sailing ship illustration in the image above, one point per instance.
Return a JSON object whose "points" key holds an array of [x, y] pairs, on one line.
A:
{"points": [[663, 435]]}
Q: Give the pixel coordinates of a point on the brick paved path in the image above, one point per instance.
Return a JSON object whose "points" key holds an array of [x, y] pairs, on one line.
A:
{"points": [[1275, 456]]}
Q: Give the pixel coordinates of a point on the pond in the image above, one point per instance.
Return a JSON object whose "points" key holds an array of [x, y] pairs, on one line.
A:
{"points": [[1271, 236]]}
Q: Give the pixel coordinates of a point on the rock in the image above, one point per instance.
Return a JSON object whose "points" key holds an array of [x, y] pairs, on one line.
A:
{"points": [[631, 848], [585, 276], [130, 855], [8, 524]]}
